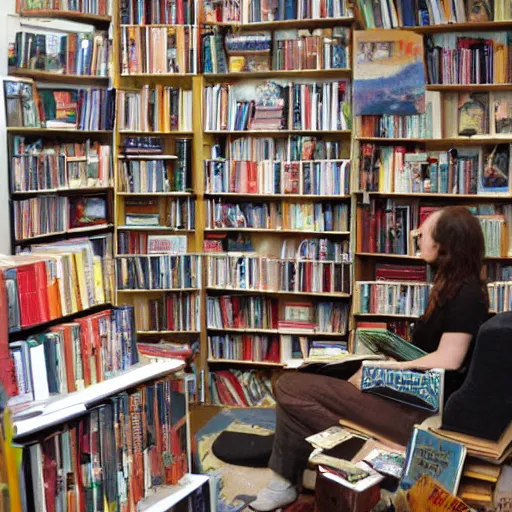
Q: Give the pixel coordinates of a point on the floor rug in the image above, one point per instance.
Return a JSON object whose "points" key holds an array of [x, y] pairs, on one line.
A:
{"points": [[233, 482]]}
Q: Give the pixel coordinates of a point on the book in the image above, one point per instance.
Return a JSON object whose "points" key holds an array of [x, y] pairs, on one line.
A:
{"points": [[241, 388], [22, 103], [167, 244], [413, 387], [377, 339], [341, 367], [429, 454], [271, 274]]}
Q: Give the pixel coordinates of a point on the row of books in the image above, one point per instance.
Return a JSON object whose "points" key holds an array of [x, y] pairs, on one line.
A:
{"points": [[41, 166], [149, 176], [394, 14], [164, 12], [97, 7], [48, 215], [256, 312], [294, 148], [172, 214], [159, 50], [478, 58], [69, 54], [261, 273], [176, 312], [287, 50], [389, 169], [244, 347], [57, 280], [500, 296], [327, 177], [74, 355], [318, 217], [159, 272], [320, 249], [392, 298], [321, 106], [241, 312], [158, 109], [391, 126], [241, 388], [248, 11], [302, 347], [386, 226], [86, 464], [78, 109], [133, 242]]}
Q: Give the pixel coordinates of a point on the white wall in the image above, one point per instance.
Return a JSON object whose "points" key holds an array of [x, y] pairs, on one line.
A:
{"points": [[6, 7]]}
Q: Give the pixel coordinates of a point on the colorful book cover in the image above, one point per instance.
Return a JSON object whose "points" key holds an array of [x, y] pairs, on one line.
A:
{"points": [[428, 454]]}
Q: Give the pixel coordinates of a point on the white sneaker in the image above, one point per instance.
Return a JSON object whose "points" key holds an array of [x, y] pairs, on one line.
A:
{"points": [[278, 493]]}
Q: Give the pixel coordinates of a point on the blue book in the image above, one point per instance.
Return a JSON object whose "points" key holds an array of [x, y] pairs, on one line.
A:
{"points": [[421, 389], [429, 454]]}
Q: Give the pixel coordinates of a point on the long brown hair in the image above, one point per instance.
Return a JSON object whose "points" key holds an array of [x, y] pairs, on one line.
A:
{"points": [[460, 257]]}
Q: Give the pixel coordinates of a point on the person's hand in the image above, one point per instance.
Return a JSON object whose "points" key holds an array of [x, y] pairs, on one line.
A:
{"points": [[355, 380]]}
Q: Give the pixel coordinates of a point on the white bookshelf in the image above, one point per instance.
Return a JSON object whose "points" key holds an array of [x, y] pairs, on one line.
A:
{"points": [[62, 408]]}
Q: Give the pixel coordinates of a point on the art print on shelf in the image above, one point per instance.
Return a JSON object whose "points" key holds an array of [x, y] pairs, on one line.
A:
{"points": [[495, 176], [389, 76]]}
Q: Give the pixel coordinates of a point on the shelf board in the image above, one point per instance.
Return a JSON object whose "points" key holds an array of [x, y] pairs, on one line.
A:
{"points": [[276, 331], [160, 290], [158, 75], [417, 258], [173, 133], [277, 196], [426, 195], [449, 141], [154, 228], [263, 133], [379, 255], [78, 17], [285, 24], [163, 194], [468, 87], [297, 232], [164, 497], [69, 232], [62, 408], [62, 191], [461, 27], [153, 333], [25, 332], [274, 73], [60, 78], [245, 363], [386, 315], [338, 295], [147, 157], [52, 132]]}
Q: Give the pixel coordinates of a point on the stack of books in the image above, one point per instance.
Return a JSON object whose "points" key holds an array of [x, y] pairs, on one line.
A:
{"points": [[244, 347], [241, 388], [165, 12]]}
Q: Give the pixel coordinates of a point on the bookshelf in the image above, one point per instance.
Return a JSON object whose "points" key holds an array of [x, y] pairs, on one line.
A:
{"points": [[264, 345], [448, 101], [63, 161]]}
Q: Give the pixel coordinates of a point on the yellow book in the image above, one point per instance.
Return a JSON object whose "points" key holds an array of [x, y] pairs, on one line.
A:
{"points": [[82, 284], [180, 48], [99, 291]]}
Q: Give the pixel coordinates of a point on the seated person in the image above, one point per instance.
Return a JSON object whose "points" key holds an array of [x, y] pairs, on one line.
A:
{"points": [[452, 242]]}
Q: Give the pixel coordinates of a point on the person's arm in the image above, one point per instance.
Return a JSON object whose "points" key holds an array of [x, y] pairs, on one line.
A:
{"points": [[450, 355]]}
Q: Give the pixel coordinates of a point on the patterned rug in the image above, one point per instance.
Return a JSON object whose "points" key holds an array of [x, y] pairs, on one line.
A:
{"points": [[233, 482]]}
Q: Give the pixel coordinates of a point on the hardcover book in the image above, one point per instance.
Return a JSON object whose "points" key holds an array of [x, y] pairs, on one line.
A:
{"points": [[431, 455]]}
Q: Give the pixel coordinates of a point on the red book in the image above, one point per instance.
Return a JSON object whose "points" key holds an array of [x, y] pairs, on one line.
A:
{"points": [[28, 291], [252, 178], [235, 385], [86, 346], [247, 348], [273, 354], [180, 13]]}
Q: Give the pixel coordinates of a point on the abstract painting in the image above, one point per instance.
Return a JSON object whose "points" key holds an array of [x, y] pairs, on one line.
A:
{"points": [[389, 76]]}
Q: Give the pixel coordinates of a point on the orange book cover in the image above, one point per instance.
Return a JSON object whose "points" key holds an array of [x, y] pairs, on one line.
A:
{"points": [[86, 346], [65, 329]]}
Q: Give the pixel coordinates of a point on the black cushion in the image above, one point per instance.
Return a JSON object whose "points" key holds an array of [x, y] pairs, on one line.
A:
{"points": [[482, 407], [243, 449]]}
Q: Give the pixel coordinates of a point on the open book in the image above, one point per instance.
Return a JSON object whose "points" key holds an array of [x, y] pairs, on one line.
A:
{"points": [[376, 339], [341, 367]]}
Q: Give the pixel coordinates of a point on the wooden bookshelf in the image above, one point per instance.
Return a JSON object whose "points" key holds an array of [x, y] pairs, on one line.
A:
{"points": [[285, 24], [469, 87], [299, 73], [61, 78], [270, 197], [76, 16]]}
